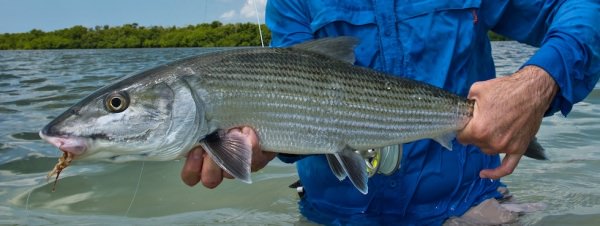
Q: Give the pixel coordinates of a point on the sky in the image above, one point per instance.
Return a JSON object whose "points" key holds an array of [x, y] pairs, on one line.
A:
{"points": [[48, 15]]}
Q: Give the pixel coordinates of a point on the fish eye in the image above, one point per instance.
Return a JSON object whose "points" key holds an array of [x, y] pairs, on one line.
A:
{"points": [[117, 102]]}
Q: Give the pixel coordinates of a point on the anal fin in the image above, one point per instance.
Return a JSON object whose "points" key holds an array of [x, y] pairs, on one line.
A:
{"points": [[231, 151], [446, 140]]}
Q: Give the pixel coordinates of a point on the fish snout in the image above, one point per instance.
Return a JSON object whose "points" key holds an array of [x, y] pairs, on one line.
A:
{"points": [[73, 145]]}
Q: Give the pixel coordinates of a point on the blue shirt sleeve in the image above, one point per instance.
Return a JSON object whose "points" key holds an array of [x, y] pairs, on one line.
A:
{"points": [[568, 35], [288, 22]]}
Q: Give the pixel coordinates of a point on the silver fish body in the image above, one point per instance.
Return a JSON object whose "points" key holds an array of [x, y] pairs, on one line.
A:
{"points": [[300, 102], [307, 99]]}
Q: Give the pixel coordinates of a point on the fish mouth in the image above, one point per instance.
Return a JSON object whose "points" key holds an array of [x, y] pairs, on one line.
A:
{"points": [[70, 144]]}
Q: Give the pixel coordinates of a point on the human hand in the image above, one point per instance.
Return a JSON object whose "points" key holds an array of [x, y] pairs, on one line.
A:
{"points": [[199, 166], [508, 113]]}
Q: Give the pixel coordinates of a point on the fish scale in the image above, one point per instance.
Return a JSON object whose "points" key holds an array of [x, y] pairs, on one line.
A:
{"points": [[348, 104]]}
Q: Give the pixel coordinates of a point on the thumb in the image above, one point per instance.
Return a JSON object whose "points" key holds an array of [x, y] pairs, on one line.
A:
{"points": [[508, 166]]}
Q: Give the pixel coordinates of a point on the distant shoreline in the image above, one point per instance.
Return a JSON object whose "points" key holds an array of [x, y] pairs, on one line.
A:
{"points": [[214, 34]]}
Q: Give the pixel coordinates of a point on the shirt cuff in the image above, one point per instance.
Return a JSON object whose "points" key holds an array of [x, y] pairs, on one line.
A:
{"points": [[561, 61]]}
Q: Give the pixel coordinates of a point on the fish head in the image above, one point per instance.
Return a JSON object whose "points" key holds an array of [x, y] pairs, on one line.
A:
{"points": [[138, 118]]}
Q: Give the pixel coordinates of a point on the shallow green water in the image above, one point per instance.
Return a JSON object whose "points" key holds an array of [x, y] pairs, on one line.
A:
{"points": [[35, 86]]}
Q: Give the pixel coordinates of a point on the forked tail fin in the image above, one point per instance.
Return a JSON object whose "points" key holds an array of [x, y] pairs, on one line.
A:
{"points": [[535, 150]]}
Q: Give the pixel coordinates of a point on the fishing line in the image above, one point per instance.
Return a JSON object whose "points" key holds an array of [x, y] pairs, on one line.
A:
{"points": [[137, 188], [27, 201], [262, 42], [27, 210], [27, 205]]}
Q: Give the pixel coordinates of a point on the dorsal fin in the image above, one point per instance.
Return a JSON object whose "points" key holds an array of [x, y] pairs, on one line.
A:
{"points": [[341, 48]]}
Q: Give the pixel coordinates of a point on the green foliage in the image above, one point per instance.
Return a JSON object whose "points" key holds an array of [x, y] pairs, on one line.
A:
{"points": [[215, 34]]}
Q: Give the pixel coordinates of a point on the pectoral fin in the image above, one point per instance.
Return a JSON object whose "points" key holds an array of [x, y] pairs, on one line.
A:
{"points": [[231, 151], [355, 167]]}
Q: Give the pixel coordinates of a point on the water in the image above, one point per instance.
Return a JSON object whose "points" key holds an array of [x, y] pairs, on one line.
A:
{"points": [[35, 86]]}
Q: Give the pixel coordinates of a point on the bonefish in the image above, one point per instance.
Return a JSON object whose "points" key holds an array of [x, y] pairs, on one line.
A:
{"points": [[306, 99]]}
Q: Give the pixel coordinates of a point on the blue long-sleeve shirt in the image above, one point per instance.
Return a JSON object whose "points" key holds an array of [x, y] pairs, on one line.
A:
{"points": [[443, 43]]}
